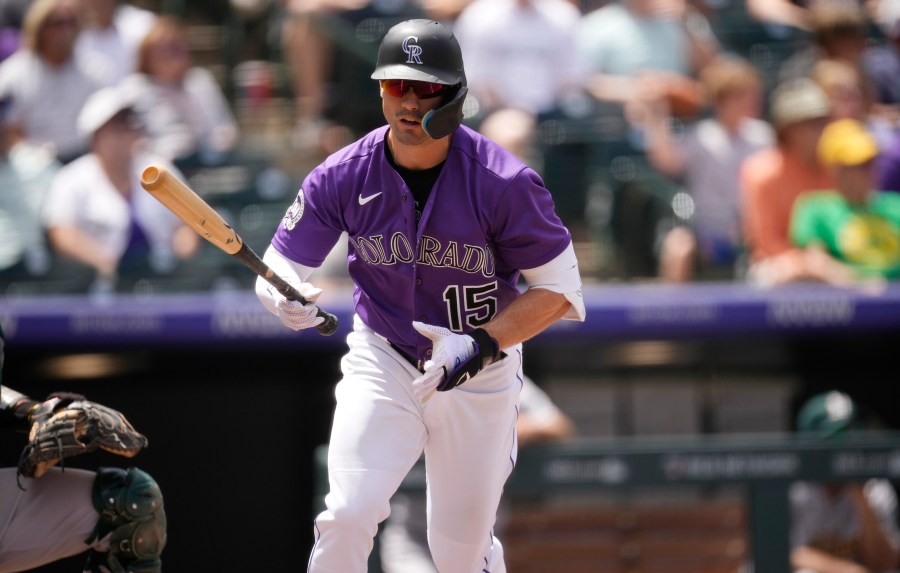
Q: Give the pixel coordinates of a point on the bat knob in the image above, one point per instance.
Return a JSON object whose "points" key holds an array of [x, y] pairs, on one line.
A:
{"points": [[330, 325]]}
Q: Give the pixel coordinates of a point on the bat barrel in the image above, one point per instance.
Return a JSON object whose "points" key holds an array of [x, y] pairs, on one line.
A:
{"points": [[181, 200]]}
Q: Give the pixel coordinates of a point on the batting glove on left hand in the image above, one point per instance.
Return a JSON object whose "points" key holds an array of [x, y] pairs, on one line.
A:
{"points": [[455, 358]]}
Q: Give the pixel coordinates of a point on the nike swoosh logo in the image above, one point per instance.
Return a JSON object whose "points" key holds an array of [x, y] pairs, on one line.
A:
{"points": [[364, 200]]}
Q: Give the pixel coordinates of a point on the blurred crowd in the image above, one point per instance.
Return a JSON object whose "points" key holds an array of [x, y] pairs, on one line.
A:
{"points": [[683, 140]]}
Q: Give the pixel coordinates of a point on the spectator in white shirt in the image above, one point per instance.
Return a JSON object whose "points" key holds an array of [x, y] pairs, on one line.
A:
{"points": [[705, 157], [109, 41], [47, 84], [97, 214], [185, 112], [520, 54]]}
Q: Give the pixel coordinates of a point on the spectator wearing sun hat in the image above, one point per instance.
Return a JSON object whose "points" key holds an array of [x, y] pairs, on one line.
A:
{"points": [[773, 178], [96, 213], [851, 232]]}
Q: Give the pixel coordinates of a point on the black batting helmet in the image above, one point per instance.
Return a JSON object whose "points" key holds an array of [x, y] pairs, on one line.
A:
{"points": [[426, 50]]}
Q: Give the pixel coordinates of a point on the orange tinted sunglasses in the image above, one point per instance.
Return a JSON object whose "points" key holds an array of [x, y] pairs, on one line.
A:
{"points": [[423, 90]]}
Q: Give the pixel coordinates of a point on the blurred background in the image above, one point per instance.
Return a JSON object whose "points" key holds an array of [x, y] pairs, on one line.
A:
{"points": [[237, 409]]}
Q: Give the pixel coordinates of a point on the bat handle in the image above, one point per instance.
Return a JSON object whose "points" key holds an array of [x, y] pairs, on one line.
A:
{"points": [[251, 260], [331, 322]]}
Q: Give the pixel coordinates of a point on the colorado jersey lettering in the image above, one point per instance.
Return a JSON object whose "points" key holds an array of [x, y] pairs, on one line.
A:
{"points": [[458, 265], [467, 258]]}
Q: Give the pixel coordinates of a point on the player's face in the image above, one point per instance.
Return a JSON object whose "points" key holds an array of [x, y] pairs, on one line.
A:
{"points": [[404, 105]]}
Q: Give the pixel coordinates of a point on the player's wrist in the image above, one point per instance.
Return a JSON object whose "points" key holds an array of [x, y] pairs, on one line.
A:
{"points": [[22, 412], [488, 347], [14, 408]]}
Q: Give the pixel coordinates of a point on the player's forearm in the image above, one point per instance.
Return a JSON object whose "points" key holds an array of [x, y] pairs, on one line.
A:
{"points": [[14, 408], [527, 316]]}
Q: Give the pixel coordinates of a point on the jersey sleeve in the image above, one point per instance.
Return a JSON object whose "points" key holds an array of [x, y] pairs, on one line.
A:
{"points": [[527, 231], [311, 225]]}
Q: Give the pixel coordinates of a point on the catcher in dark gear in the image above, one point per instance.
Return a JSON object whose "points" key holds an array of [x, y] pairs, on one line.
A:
{"points": [[116, 516]]}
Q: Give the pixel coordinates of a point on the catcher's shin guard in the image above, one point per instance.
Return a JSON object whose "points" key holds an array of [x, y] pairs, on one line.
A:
{"points": [[131, 510]]}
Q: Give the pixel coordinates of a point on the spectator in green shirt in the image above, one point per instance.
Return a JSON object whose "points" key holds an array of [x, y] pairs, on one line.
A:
{"points": [[851, 234]]}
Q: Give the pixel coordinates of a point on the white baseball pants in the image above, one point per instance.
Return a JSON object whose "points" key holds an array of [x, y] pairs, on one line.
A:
{"points": [[378, 433]]}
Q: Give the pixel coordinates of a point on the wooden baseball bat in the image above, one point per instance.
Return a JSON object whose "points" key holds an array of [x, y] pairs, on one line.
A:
{"points": [[180, 199]]}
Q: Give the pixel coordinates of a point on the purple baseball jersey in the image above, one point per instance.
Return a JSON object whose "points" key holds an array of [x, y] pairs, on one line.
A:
{"points": [[488, 216]]}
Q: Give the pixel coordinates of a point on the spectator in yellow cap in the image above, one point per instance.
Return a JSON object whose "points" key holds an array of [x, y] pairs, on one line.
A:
{"points": [[852, 233]]}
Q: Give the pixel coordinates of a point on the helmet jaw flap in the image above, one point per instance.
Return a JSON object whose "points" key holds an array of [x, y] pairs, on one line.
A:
{"points": [[443, 121], [426, 50]]}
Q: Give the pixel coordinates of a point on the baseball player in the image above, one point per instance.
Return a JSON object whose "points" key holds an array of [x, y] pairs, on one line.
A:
{"points": [[843, 526], [47, 514], [442, 224]]}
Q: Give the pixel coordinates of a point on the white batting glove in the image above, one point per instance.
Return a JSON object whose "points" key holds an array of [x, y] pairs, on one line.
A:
{"points": [[294, 314], [455, 358]]}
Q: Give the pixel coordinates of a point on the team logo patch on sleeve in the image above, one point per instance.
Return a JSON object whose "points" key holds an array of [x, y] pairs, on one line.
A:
{"points": [[294, 212]]}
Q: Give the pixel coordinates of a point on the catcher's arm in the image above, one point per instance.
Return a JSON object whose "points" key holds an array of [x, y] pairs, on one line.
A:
{"points": [[67, 425], [14, 409]]}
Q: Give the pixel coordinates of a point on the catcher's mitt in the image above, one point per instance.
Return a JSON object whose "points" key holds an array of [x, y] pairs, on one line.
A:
{"points": [[62, 428]]}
